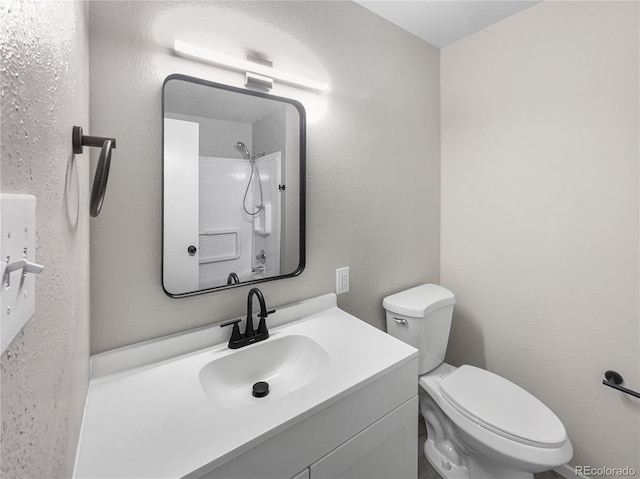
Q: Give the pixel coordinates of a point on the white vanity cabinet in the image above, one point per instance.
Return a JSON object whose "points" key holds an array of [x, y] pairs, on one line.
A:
{"points": [[386, 449], [172, 409], [369, 434]]}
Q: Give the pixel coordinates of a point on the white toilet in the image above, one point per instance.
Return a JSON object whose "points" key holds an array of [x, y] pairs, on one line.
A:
{"points": [[479, 425]]}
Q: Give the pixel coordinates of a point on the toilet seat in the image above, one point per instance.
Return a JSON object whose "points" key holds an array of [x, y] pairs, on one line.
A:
{"points": [[502, 407]]}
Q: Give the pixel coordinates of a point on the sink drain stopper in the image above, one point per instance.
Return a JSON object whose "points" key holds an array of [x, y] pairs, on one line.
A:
{"points": [[260, 389]]}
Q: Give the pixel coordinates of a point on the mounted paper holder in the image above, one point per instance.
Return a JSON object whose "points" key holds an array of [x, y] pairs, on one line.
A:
{"points": [[102, 170]]}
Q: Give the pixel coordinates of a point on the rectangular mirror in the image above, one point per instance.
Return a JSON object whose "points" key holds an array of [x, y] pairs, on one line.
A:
{"points": [[233, 186]]}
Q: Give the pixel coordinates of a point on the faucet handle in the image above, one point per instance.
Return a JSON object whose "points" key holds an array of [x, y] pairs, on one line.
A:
{"points": [[235, 333], [230, 322], [262, 325]]}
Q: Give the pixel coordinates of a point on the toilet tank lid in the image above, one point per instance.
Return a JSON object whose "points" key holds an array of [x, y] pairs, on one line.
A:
{"points": [[419, 301]]}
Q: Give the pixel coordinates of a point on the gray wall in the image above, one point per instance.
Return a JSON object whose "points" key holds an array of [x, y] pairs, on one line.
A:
{"points": [[540, 212], [270, 134], [45, 91], [290, 244], [212, 133], [373, 154]]}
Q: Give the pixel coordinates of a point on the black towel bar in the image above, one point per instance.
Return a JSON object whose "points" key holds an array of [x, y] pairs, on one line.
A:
{"points": [[614, 380]]}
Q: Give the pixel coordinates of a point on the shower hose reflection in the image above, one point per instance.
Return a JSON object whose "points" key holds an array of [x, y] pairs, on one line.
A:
{"points": [[254, 171]]}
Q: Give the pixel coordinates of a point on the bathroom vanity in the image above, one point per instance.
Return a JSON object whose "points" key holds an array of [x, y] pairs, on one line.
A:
{"points": [[342, 402]]}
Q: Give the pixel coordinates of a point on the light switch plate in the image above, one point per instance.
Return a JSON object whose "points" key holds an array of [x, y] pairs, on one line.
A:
{"points": [[17, 242]]}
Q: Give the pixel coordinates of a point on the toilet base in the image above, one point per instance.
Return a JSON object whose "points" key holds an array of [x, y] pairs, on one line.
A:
{"points": [[449, 456], [442, 449], [442, 465], [482, 470], [446, 470]]}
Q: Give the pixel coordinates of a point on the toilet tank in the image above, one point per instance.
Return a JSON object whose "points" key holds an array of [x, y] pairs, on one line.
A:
{"points": [[421, 317]]}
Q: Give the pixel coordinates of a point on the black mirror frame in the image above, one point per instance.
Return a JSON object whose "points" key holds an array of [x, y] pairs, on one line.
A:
{"points": [[302, 178]]}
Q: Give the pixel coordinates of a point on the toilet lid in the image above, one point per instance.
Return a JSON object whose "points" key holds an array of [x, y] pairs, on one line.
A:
{"points": [[502, 407]]}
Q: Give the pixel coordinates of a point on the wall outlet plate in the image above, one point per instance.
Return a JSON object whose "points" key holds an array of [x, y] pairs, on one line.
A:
{"points": [[17, 243], [342, 280]]}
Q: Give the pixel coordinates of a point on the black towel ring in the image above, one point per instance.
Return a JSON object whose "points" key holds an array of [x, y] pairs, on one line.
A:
{"points": [[102, 170]]}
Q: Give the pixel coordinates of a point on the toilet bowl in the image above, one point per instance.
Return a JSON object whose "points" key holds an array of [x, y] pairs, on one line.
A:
{"points": [[479, 425]]}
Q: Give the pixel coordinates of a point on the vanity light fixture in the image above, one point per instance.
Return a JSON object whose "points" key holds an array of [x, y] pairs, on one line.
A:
{"points": [[258, 74]]}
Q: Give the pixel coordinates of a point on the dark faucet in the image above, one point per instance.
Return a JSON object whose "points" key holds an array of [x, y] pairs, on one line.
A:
{"points": [[250, 335], [233, 278], [262, 327]]}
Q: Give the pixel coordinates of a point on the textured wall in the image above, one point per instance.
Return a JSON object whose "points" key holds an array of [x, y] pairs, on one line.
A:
{"points": [[373, 154], [44, 372], [540, 212]]}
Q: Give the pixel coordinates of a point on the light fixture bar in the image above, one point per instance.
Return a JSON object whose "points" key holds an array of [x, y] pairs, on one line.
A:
{"points": [[260, 82], [195, 52]]}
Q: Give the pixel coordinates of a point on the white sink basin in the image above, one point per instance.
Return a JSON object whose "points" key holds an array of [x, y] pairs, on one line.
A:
{"points": [[287, 363]]}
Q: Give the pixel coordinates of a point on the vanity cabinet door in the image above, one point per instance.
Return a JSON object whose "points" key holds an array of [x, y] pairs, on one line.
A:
{"points": [[386, 449]]}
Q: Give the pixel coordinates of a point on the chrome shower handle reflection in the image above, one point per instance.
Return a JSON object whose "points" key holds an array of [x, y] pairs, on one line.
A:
{"points": [[102, 170]]}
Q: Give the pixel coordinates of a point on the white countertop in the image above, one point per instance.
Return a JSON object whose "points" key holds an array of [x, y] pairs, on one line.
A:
{"points": [[154, 420]]}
